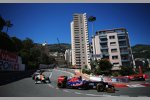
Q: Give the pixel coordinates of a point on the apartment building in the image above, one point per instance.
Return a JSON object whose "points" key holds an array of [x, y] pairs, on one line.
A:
{"points": [[68, 56], [80, 41], [113, 45]]}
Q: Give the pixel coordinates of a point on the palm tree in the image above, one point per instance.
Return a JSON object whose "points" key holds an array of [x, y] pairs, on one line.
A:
{"points": [[8, 24], [2, 23], [92, 19]]}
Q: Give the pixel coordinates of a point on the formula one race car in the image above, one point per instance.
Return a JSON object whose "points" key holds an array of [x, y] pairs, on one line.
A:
{"points": [[136, 77], [78, 83], [42, 79]]}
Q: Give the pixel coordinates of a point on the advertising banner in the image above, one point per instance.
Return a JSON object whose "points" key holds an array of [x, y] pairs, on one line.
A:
{"points": [[9, 61]]}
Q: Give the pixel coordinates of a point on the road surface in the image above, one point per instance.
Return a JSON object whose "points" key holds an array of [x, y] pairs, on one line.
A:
{"points": [[27, 88]]}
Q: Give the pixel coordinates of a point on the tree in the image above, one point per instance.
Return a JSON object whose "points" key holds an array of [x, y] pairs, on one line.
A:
{"points": [[8, 24], [6, 43], [104, 66], [18, 43], [93, 64], [2, 23], [25, 54], [28, 43], [126, 70], [91, 18]]}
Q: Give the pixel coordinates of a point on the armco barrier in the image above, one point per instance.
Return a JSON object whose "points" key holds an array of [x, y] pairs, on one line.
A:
{"points": [[109, 79], [8, 76]]}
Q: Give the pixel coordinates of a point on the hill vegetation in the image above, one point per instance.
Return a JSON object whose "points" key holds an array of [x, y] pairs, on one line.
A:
{"points": [[141, 51]]}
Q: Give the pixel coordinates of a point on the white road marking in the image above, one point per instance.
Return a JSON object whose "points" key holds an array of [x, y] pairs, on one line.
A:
{"points": [[135, 85], [77, 93], [51, 86], [124, 96], [106, 95], [142, 96], [65, 90], [50, 75], [57, 88], [92, 95]]}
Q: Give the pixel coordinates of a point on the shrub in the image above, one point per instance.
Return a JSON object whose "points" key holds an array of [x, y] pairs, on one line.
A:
{"points": [[115, 74]]}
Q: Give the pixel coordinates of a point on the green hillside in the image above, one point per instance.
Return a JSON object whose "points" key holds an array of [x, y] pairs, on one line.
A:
{"points": [[141, 51], [59, 47]]}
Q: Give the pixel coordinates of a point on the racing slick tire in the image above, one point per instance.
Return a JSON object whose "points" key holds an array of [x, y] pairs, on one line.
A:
{"points": [[63, 84], [142, 79], [60, 85], [100, 87], [47, 80]]}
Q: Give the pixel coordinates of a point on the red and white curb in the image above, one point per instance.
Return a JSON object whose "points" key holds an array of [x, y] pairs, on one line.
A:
{"points": [[132, 85]]}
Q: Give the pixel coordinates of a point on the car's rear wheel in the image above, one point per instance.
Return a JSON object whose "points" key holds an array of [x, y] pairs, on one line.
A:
{"points": [[142, 79], [100, 87]]}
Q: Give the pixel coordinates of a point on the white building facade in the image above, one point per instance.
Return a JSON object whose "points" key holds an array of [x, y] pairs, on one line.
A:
{"points": [[80, 41], [68, 56], [113, 45]]}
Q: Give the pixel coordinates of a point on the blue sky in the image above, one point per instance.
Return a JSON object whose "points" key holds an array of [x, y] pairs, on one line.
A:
{"points": [[49, 21]]}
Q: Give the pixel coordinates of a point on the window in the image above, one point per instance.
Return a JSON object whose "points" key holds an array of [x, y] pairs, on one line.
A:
{"points": [[77, 40], [114, 57], [121, 43], [76, 37], [121, 37], [77, 57], [80, 19], [76, 32], [113, 50], [111, 37], [112, 43], [116, 63], [103, 39]]}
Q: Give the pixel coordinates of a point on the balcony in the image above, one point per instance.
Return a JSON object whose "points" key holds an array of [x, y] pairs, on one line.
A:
{"points": [[123, 46], [124, 52], [121, 33], [105, 53], [102, 34], [121, 39], [104, 47], [125, 60], [103, 37], [97, 55], [103, 41]]}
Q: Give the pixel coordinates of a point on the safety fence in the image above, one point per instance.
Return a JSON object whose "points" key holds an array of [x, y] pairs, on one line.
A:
{"points": [[109, 79]]}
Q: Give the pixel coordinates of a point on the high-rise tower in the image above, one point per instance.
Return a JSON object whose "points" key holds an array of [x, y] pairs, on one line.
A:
{"points": [[80, 41]]}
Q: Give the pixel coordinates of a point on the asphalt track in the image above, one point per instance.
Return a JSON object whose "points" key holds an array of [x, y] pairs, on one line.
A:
{"points": [[26, 87]]}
